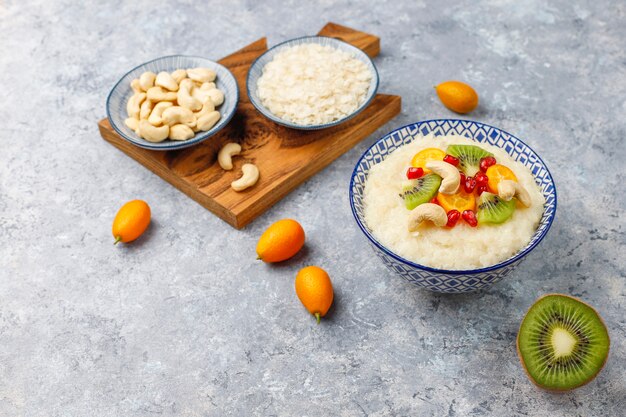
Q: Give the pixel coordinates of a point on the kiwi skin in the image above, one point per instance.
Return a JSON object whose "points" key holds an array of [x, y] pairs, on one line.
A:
{"points": [[521, 359]]}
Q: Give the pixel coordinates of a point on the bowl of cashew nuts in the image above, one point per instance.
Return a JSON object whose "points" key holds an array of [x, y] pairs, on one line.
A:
{"points": [[172, 102]]}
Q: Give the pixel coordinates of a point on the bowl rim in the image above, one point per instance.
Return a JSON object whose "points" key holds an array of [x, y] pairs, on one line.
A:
{"points": [[176, 144], [267, 113], [491, 268]]}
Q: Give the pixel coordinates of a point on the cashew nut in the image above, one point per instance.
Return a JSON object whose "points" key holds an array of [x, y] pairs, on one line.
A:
{"points": [[132, 107], [155, 117], [208, 86], [184, 95], [165, 80], [248, 179], [134, 84], [450, 177], [202, 95], [132, 123], [427, 211], [202, 75], [146, 80], [507, 189], [159, 94], [180, 132], [217, 96], [207, 121], [207, 107], [179, 75], [146, 109], [225, 155], [153, 133], [178, 115]]}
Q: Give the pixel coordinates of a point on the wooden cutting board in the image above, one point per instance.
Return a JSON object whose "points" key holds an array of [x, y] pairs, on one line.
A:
{"points": [[285, 157]]}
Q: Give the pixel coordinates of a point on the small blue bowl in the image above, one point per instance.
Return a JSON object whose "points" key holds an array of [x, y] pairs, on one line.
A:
{"points": [[256, 70], [442, 280], [121, 92]]}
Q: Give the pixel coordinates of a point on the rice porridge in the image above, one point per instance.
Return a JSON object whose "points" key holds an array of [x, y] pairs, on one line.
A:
{"points": [[461, 246]]}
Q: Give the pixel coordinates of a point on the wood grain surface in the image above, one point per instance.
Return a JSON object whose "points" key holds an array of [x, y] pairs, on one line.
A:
{"points": [[285, 157]]}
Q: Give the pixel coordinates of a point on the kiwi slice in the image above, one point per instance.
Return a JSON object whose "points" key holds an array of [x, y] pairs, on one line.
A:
{"points": [[493, 209], [421, 190], [469, 157], [562, 343]]}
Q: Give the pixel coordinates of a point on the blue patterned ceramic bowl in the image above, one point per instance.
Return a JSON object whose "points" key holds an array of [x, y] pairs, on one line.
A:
{"points": [[441, 280], [256, 70], [121, 92]]}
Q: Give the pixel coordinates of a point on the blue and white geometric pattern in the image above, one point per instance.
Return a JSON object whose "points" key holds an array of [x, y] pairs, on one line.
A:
{"points": [[441, 280], [121, 92]]}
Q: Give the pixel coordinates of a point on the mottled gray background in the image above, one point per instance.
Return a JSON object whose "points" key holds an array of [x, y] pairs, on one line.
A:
{"points": [[186, 322]]}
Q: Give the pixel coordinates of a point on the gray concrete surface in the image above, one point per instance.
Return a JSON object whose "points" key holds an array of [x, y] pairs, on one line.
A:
{"points": [[185, 322]]}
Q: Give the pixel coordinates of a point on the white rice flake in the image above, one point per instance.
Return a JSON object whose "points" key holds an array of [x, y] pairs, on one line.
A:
{"points": [[312, 84]]}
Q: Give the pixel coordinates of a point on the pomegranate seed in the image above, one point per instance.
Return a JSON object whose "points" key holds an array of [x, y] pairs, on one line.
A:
{"points": [[462, 178], [451, 160], [453, 217], [481, 189], [469, 185], [434, 201], [481, 179], [486, 162], [414, 173], [470, 217]]}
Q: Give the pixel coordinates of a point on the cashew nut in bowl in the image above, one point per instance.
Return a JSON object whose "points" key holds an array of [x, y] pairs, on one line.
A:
{"points": [[217, 96], [225, 155], [165, 80], [146, 80], [133, 105], [179, 75], [207, 121], [202, 75], [159, 94], [201, 95], [507, 189], [155, 117], [132, 123], [134, 84], [248, 179], [184, 95], [450, 176], [180, 132], [146, 109], [153, 133], [207, 107], [427, 212], [178, 115], [174, 105]]}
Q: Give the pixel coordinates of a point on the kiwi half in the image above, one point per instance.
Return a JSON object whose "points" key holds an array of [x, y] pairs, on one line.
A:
{"points": [[469, 157], [493, 209], [421, 190], [562, 343]]}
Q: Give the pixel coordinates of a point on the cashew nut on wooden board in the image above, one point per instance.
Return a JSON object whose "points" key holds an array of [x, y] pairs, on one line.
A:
{"points": [[248, 179], [173, 105], [250, 172]]}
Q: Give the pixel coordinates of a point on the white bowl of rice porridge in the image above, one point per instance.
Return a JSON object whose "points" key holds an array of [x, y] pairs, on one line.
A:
{"points": [[406, 209]]}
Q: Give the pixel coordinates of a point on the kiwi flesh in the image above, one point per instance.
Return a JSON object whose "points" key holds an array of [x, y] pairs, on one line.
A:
{"points": [[493, 209], [421, 190], [469, 157], [562, 343]]}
